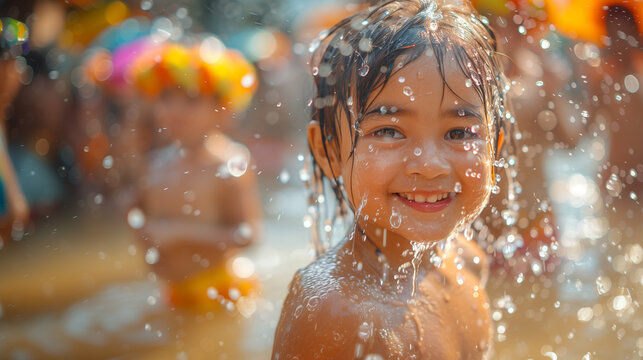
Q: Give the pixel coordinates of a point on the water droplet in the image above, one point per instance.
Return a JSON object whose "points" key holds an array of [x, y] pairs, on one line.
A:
{"points": [[613, 185], [346, 49], [212, 293], [315, 70], [108, 162], [314, 45], [313, 303], [234, 294], [417, 151], [396, 219], [468, 83], [547, 120], [433, 26], [631, 83], [237, 165], [401, 79], [364, 70], [585, 314], [407, 91], [620, 302], [308, 221], [298, 311], [146, 5], [545, 44], [365, 44], [152, 256], [459, 279], [364, 331], [457, 187], [304, 175], [136, 218], [162, 29], [633, 196], [603, 285], [284, 176]]}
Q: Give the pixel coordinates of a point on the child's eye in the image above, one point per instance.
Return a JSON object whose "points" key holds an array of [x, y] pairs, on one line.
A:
{"points": [[460, 134], [388, 133]]}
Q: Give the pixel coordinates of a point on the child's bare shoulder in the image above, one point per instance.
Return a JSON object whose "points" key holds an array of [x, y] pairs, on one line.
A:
{"points": [[320, 318]]}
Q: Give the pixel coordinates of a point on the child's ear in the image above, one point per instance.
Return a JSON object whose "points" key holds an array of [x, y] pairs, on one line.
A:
{"points": [[328, 162]]}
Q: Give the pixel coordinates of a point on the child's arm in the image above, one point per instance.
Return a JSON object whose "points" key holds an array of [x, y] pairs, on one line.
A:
{"points": [[315, 323]]}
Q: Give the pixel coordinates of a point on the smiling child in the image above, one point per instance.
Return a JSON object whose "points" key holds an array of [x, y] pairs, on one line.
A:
{"points": [[406, 124]]}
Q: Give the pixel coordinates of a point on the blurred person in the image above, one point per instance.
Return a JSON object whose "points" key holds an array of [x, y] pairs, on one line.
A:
{"points": [[198, 198], [14, 209], [37, 129]]}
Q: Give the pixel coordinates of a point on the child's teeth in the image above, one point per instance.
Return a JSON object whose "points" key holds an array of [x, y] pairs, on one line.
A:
{"points": [[430, 199]]}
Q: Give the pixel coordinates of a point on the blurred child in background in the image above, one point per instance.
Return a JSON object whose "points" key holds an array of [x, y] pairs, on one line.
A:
{"points": [[198, 199]]}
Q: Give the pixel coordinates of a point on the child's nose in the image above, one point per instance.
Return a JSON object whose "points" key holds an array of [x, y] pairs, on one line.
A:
{"points": [[428, 161]]}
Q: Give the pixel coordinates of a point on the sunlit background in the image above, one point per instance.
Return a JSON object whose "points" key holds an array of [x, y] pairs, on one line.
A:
{"points": [[80, 107]]}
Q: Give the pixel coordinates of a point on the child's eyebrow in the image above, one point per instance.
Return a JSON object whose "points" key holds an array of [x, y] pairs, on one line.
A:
{"points": [[384, 109], [463, 112]]}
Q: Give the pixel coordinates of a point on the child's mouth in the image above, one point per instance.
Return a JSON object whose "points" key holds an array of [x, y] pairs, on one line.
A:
{"points": [[426, 202]]}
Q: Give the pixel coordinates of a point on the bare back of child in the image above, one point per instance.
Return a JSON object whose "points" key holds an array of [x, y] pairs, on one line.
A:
{"points": [[408, 117]]}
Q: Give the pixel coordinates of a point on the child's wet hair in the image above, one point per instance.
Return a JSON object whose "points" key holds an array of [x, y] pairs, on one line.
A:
{"points": [[354, 60]]}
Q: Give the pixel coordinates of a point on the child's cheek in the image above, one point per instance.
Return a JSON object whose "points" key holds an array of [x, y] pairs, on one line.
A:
{"points": [[475, 172], [370, 174]]}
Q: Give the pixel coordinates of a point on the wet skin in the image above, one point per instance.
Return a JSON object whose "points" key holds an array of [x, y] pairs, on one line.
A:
{"points": [[194, 209], [447, 317]]}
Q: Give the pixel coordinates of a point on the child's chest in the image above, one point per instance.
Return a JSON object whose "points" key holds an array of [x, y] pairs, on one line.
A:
{"points": [[438, 317], [184, 190]]}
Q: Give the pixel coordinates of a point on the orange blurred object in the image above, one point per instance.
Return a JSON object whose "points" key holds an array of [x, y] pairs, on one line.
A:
{"points": [[212, 288], [84, 24], [585, 19]]}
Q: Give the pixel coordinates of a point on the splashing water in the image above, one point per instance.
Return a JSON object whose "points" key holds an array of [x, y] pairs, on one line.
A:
{"points": [[364, 70], [458, 187], [613, 186], [136, 218], [152, 256], [237, 165], [396, 219], [418, 251]]}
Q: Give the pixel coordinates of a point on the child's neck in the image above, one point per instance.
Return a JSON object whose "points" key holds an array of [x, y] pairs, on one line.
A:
{"points": [[384, 251]]}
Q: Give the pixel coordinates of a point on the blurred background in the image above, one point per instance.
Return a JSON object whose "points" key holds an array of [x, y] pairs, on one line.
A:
{"points": [[111, 177]]}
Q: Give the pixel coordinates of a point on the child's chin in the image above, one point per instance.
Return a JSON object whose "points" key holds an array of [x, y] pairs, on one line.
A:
{"points": [[429, 236]]}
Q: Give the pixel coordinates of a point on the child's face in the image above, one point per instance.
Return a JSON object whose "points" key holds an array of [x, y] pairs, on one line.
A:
{"points": [[425, 168], [186, 118]]}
